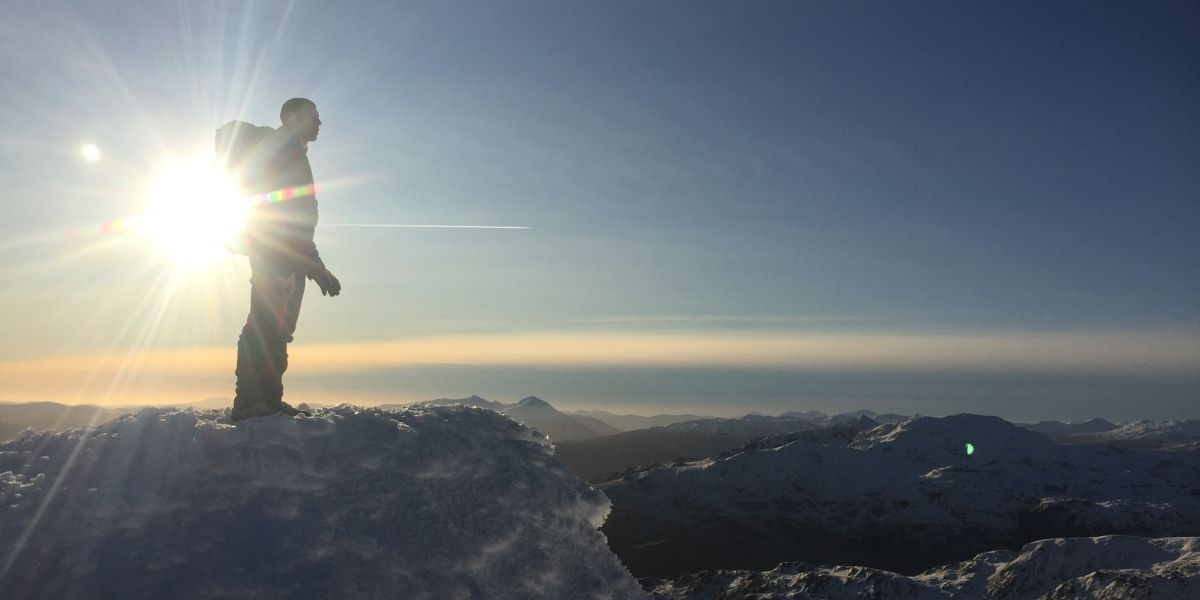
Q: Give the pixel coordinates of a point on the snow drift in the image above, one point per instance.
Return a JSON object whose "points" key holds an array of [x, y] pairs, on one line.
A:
{"points": [[430, 502]]}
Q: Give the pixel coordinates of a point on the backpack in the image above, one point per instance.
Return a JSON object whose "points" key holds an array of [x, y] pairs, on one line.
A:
{"points": [[243, 153]]}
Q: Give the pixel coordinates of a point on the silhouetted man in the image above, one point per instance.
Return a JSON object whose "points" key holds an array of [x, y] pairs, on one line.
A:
{"points": [[279, 241]]}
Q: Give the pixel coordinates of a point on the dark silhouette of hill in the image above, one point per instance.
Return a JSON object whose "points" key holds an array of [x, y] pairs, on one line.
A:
{"points": [[9, 431], [559, 426], [50, 416], [1135, 435], [1057, 429], [595, 424], [594, 459], [634, 422]]}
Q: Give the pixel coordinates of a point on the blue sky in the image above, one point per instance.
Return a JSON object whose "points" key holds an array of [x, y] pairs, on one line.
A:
{"points": [[937, 170]]}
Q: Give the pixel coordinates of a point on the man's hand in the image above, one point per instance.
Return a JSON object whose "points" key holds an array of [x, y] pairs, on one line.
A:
{"points": [[330, 286]]}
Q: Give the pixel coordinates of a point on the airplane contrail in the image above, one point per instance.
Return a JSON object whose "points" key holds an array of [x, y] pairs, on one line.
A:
{"points": [[405, 225]]}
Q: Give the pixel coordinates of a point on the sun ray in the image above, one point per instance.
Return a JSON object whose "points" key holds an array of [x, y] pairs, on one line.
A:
{"points": [[56, 261], [117, 380]]}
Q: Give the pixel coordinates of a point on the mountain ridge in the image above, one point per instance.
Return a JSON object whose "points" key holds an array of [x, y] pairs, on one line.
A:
{"points": [[902, 497]]}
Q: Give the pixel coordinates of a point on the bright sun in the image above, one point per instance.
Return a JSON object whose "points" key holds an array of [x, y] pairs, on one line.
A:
{"points": [[193, 211]]}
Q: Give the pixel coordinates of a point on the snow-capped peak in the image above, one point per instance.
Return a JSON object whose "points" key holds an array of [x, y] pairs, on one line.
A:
{"points": [[957, 435]]}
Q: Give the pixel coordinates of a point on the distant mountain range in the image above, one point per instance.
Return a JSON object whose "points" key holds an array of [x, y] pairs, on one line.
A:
{"points": [[632, 422], [595, 443], [904, 497], [820, 418], [593, 459], [1057, 430], [1138, 435], [600, 458]]}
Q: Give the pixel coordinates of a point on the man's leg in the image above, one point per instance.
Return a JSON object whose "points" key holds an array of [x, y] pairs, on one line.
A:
{"points": [[288, 328], [262, 352], [248, 394]]}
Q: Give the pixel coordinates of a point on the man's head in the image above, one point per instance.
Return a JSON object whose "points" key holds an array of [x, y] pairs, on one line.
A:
{"points": [[299, 115]]}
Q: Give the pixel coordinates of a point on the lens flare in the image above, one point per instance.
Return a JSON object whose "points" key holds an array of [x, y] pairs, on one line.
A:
{"points": [[193, 212], [970, 448], [90, 152]]}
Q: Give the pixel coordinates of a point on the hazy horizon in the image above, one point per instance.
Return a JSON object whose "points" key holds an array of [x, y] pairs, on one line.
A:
{"points": [[1032, 397]]}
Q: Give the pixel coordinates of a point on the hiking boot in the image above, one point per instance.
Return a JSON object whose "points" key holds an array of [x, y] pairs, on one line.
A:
{"points": [[246, 409], [292, 411], [239, 412]]}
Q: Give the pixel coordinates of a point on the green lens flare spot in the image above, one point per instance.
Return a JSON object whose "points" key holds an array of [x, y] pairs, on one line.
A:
{"points": [[970, 448]]}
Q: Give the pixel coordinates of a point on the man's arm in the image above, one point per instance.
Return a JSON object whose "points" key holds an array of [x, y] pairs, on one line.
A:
{"points": [[297, 172], [330, 286], [309, 262]]}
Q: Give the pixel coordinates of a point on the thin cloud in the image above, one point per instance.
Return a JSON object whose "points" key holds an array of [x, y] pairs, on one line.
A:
{"points": [[697, 319]]}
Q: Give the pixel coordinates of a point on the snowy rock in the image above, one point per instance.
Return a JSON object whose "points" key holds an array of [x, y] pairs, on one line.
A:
{"points": [[1067, 567], [798, 581], [472, 400], [1110, 568], [428, 502]]}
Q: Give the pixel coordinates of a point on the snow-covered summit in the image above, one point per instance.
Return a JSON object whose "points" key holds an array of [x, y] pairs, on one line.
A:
{"points": [[538, 413], [532, 402], [945, 439], [472, 400], [427, 502]]}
